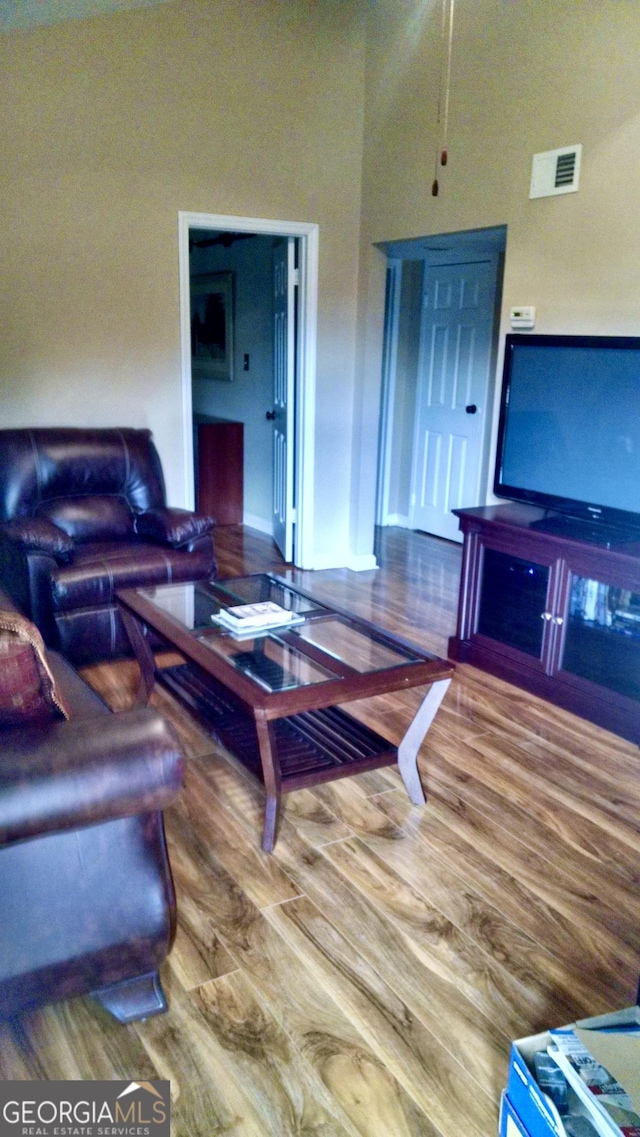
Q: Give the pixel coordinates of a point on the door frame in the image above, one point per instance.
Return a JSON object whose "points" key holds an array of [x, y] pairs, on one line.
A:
{"points": [[305, 379], [387, 392], [461, 246], [283, 269]]}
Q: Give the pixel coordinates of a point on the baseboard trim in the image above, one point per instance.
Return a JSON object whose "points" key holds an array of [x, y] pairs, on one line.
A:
{"points": [[361, 563], [259, 523]]}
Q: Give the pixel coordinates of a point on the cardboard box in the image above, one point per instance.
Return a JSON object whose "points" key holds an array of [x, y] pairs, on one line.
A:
{"points": [[534, 1110]]}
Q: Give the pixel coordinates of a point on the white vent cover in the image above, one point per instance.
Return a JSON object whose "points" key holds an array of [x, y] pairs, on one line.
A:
{"points": [[555, 171]]}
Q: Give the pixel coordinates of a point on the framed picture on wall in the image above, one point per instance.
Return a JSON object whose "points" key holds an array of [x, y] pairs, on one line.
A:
{"points": [[212, 325]]}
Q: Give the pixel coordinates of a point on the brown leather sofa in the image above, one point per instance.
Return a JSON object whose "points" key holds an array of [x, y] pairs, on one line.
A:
{"points": [[82, 513], [86, 898]]}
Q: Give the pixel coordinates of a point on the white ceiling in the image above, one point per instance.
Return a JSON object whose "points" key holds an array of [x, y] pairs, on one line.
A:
{"points": [[21, 14]]}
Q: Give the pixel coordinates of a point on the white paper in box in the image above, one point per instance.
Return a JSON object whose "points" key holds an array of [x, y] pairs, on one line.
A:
{"points": [[600, 1058], [614, 1042]]}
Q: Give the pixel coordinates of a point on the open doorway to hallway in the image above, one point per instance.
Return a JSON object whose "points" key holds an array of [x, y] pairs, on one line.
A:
{"points": [[263, 372], [241, 266], [441, 331]]}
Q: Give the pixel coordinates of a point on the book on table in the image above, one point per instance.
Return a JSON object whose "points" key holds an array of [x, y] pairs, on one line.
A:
{"points": [[256, 617]]}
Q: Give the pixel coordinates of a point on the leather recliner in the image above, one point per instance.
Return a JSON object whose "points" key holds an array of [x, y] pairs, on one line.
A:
{"points": [[83, 513], [88, 903]]}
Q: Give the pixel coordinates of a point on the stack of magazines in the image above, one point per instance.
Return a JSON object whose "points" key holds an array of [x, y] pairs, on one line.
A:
{"points": [[611, 1107], [250, 619]]}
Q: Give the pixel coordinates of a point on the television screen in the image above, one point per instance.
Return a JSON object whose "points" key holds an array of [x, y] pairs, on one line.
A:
{"points": [[569, 436]]}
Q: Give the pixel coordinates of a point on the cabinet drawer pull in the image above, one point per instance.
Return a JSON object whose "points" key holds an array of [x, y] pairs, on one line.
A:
{"points": [[558, 620], [546, 616]]}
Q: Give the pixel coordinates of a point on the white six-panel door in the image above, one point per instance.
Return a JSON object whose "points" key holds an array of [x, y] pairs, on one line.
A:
{"points": [[453, 394]]}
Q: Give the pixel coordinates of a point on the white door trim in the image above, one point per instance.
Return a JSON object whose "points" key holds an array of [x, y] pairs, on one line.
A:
{"points": [[308, 235], [285, 300], [387, 394]]}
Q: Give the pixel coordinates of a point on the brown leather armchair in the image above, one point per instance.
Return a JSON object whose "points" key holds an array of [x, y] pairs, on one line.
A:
{"points": [[86, 894], [82, 513]]}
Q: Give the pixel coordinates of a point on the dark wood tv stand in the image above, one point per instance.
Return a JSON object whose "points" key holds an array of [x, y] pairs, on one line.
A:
{"points": [[555, 615]]}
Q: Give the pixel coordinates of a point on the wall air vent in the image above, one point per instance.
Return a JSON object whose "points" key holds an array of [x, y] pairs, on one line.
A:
{"points": [[555, 171]]}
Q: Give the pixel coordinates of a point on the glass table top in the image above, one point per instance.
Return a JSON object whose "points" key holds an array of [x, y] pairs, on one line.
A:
{"points": [[323, 646]]}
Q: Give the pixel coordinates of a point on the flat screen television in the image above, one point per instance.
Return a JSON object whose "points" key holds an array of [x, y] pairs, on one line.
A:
{"points": [[569, 434]]}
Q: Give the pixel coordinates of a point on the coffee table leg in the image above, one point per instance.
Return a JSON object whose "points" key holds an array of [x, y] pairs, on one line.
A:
{"points": [[272, 782], [414, 737], [144, 656]]}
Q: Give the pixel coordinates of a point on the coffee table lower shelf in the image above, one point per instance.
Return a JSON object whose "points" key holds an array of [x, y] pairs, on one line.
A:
{"points": [[310, 747]]}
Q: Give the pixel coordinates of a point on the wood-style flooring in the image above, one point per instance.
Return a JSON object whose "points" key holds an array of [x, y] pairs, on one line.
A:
{"points": [[367, 977]]}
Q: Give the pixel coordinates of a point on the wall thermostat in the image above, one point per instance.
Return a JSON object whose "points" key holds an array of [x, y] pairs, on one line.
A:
{"points": [[523, 317]]}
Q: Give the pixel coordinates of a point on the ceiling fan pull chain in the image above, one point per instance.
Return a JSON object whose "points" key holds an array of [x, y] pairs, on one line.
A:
{"points": [[447, 89], [443, 23], [444, 89]]}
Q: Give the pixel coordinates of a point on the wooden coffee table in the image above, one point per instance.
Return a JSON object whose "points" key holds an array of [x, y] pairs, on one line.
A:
{"points": [[274, 699]]}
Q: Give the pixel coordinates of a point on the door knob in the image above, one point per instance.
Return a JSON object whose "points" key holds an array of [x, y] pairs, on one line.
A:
{"points": [[471, 409], [270, 415]]}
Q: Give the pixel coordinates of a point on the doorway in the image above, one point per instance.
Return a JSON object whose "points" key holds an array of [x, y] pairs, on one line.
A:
{"points": [[441, 331], [229, 230]]}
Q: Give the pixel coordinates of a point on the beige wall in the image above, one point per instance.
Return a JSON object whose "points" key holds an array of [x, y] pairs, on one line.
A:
{"points": [[527, 76], [257, 107], [112, 125]]}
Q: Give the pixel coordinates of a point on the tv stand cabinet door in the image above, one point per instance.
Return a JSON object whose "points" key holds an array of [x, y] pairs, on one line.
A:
{"points": [[600, 645], [509, 599]]}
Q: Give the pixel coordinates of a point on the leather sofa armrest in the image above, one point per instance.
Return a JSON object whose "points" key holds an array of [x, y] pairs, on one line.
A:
{"points": [[174, 527], [65, 775], [26, 576], [38, 535]]}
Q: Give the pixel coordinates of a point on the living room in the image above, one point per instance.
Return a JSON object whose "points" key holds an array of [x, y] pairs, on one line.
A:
{"points": [[103, 151], [327, 113]]}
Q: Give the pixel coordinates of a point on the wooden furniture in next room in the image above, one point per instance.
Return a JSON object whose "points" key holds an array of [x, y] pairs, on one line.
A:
{"points": [[219, 447]]}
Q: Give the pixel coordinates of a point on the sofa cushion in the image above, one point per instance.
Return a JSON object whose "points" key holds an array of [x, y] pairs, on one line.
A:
{"points": [[80, 699], [28, 692], [49, 463], [99, 570], [96, 517]]}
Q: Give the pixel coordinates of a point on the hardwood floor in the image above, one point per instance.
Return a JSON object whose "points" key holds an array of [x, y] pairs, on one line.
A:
{"points": [[366, 978]]}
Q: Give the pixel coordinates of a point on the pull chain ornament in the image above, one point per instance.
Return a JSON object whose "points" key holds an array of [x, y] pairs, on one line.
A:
{"points": [[445, 72]]}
